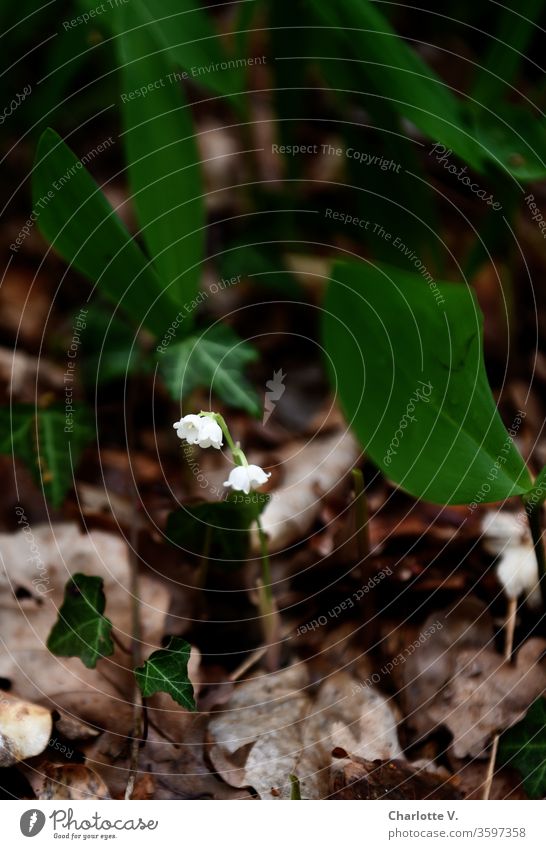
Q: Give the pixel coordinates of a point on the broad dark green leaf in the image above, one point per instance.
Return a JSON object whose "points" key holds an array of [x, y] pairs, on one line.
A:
{"points": [[498, 68], [215, 359], [219, 528], [164, 170], [50, 441], [524, 747], [81, 629], [80, 224], [406, 359], [390, 67], [166, 671], [514, 138], [186, 31]]}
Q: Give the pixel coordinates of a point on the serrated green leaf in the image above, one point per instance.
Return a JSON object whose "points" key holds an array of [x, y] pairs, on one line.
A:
{"points": [[221, 527], [166, 671], [406, 358], [524, 747], [164, 168], [81, 630], [77, 220], [215, 359], [49, 441]]}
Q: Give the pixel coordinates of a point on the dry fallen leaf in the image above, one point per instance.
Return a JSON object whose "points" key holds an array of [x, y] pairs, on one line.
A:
{"points": [[25, 729], [273, 727], [36, 563], [357, 778], [313, 469], [71, 781], [456, 679]]}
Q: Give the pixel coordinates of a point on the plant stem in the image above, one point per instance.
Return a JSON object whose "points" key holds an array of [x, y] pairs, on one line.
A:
{"points": [[533, 517], [266, 567], [509, 627]]}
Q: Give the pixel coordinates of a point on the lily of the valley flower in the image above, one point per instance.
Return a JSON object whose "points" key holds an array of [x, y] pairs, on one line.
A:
{"points": [[517, 568], [247, 477], [201, 430]]}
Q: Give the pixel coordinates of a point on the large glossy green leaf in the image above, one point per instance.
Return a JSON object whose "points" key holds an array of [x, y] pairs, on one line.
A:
{"points": [[406, 359], [217, 528], [81, 629], [49, 441], [77, 220], [215, 359], [163, 159], [166, 671], [524, 747]]}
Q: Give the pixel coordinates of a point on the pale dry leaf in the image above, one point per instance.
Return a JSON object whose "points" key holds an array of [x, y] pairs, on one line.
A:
{"points": [[272, 727], [457, 679], [487, 694], [25, 729], [20, 371], [39, 561], [313, 469]]}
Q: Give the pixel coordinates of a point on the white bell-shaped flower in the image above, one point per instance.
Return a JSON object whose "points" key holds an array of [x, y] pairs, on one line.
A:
{"points": [[506, 535], [245, 478], [199, 430]]}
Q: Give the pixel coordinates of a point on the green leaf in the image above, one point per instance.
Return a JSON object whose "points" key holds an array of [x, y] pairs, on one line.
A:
{"points": [[164, 170], [49, 441], [514, 138], [215, 359], [507, 49], [406, 359], [110, 350], [524, 747], [81, 630], [537, 494], [389, 67], [219, 528], [166, 671], [185, 30], [75, 217]]}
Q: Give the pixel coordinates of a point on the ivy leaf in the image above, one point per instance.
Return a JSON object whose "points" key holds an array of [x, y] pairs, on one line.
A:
{"points": [[50, 441], [219, 527], [215, 359], [166, 671], [406, 358], [81, 629], [524, 747]]}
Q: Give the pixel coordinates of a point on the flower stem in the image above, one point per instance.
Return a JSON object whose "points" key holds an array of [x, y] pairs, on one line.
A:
{"points": [[266, 567], [533, 517]]}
